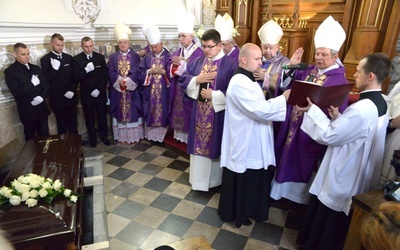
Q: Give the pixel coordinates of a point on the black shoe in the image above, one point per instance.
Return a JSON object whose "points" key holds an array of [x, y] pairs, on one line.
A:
{"points": [[84, 143], [157, 143], [105, 141], [246, 221], [93, 143]]}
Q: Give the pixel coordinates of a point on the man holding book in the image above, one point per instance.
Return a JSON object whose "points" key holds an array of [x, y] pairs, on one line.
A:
{"points": [[298, 155], [352, 162]]}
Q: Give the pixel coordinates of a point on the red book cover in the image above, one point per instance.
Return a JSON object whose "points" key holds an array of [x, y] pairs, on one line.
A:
{"points": [[321, 96]]}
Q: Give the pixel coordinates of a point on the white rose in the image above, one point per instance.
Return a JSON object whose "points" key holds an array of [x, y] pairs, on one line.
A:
{"points": [[15, 183], [46, 185], [57, 185], [26, 179], [23, 188], [25, 196], [15, 200], [73, 198], [67, 192], [34, 183], [43, 193], [33, 193], [6, 191], [31, 202]]}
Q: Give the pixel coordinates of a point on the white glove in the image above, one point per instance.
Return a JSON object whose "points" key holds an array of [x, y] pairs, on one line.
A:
{"points": [[55, 63], [95, 93], [89, 67], [69, 94], [35, 80], [37, 100]]}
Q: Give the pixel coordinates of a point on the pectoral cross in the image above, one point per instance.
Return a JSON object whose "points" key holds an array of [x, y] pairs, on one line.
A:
{"points": [[47, 145]]}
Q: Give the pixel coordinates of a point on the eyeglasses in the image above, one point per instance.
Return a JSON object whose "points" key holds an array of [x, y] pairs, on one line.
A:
{"points": [[209, 46], [182, 36], [225, 44]]}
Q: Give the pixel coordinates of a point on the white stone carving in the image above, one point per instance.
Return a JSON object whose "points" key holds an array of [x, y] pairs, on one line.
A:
{"points": [[87, 10]]}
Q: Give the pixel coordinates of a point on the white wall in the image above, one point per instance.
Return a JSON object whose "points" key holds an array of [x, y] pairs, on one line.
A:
{"points": [[132, 12]]}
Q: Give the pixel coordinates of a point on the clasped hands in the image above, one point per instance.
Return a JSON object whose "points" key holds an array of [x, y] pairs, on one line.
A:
{"points": [[176, 60], [157, 70]]}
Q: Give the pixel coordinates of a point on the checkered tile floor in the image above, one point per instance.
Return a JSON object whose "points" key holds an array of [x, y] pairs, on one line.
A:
{"points": [[149, 202]]}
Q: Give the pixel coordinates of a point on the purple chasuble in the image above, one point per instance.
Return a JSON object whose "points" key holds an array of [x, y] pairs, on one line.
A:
{"points": [[297, 155], [125, 106], [205, 124], [156, 92], [179, 103]]}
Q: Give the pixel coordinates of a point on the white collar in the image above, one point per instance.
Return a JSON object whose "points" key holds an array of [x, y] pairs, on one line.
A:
{"points": [[217, 57], [322, 71]]}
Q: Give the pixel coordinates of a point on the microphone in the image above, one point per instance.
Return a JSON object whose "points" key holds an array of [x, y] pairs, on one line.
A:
{"points": [[296, 66]]}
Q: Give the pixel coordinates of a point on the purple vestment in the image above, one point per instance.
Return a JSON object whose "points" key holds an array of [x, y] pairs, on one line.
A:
{"points": [[274, 69], [125, 107], [235, 54], [155, 92], [297, 155], [179, 103], [205, 132]]}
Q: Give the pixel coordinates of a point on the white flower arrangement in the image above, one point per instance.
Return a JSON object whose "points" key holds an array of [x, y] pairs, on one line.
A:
{"points": [[32, 187], [199, 32], [235, 31]]}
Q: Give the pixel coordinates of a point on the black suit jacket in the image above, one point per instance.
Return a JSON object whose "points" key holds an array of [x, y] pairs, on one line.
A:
{"points": [[96, 79], [60, 80], [18, 79]]}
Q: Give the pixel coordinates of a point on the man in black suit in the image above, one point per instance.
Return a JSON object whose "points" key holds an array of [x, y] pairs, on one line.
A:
{"points": [[90, 69], [57, 67], [29, 87]]}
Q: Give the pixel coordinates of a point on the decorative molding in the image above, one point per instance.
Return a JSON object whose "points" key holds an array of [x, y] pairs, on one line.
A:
{"points": [[87, 10]]}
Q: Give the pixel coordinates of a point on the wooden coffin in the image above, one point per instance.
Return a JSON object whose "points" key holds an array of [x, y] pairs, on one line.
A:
{"points": [[47, 226]]}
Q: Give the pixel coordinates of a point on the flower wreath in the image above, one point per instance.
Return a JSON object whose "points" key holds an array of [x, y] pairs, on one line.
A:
{"points": [[30, 188]]}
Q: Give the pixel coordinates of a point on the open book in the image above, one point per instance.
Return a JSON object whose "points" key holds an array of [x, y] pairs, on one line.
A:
{"points": [[321, 96]]}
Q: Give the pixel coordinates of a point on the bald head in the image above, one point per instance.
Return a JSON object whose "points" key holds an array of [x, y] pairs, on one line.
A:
{"points": [[250, 57]]}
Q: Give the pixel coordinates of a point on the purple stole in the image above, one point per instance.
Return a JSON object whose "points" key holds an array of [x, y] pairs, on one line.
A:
{"points": [[156, 93], [125, 102], [177, 114], [205, 116]]}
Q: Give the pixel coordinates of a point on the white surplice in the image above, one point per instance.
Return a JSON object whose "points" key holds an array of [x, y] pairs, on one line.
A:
{"points": [[248, 139], [351, 164]]}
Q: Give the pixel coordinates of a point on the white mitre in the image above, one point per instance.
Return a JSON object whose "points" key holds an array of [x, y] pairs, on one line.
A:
{"points": [[186, 23], [270, 33], [153, 34], [121, 31], [224, 25], [329, 34]]}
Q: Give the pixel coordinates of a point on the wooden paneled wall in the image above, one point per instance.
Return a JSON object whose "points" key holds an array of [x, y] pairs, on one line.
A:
{"points": [[370, 25]]}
